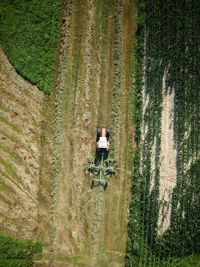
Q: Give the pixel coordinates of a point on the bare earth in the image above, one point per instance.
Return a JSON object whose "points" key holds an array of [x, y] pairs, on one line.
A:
{"points": [[167, 154], [168, 160]]}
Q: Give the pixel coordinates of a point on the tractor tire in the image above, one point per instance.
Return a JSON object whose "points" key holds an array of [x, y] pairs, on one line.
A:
{"points": [[105, 186], [108, 133], [97, 150], [98, 134], [92, 184]]}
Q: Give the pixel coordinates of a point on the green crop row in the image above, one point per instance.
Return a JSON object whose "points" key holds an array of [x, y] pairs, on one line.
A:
{"points": [[134, 226], [14, 252], [28, 35]]}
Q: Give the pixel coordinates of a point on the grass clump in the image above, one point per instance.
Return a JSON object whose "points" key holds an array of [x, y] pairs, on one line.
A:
{"points": [[28, 35], [15, 252]]}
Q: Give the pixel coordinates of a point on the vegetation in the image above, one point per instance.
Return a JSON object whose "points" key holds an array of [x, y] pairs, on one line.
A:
{"points": [[167, 41], [28, 35], [172, 43], [134, 230], [17, 253]]}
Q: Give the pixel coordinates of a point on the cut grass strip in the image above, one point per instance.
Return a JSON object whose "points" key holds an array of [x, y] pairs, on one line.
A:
{"points": [[11, 125], [12, 154], [10, 170]]}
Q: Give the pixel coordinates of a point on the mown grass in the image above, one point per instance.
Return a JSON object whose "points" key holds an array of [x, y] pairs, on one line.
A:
{"points": [[16, 140], [3, 186], [14, 127], [12, 154], [9, 170], [28, 35]]}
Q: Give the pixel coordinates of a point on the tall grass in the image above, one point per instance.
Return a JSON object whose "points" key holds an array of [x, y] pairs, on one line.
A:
{"points": [[15, 252], [28, 35]]}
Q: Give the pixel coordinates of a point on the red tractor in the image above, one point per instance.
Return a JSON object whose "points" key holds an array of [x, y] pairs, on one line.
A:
{"points": [[102, 139], [99, 167]]}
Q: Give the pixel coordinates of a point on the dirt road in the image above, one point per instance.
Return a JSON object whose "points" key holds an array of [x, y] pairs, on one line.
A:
{"points": [[89, 227]]}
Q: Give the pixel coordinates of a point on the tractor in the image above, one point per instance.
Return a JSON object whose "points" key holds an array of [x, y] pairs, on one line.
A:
{"points": [[100, 166]]}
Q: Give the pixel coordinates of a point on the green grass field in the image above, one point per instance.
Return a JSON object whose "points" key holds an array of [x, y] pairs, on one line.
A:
{"points": [[28, 35]]}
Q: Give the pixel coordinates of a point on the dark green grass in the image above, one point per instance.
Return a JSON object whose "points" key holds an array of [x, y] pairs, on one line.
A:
{"points": [[28, 35], [15, 252]]}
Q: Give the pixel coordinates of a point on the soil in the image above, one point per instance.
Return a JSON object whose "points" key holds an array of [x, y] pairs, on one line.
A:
{"points": [[168, 172]]}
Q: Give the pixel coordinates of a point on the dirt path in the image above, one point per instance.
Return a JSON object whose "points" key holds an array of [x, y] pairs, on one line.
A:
{"points": [[89, 226]]}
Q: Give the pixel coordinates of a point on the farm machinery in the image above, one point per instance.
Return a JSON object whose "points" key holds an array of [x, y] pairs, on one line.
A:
{"points": [[100, 166]]}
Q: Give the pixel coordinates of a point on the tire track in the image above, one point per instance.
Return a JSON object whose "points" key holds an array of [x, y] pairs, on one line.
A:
{"points": [[108, 115], [116, 94], [58, 132], [97, 202], [115, 215], [82, 115], [71, 125]]}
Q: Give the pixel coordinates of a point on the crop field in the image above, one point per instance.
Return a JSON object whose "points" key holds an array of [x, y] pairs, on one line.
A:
{"points": [[171, 45], [132, 66]]}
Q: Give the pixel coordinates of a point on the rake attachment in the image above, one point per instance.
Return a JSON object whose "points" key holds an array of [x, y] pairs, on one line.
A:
{"points": [[109, 167], [92, 166], [100, 167], [101, 170]]}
